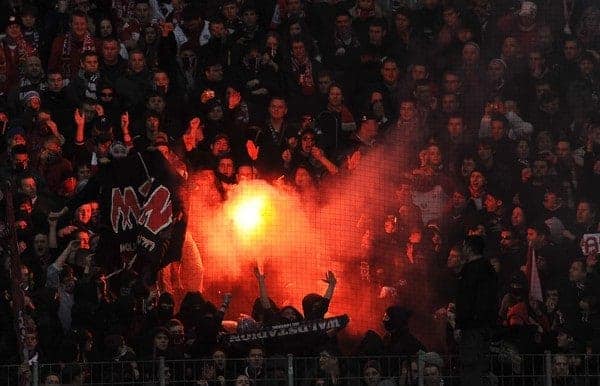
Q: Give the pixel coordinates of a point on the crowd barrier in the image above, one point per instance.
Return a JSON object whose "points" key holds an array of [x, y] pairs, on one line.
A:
{"points": [[504, 369]]}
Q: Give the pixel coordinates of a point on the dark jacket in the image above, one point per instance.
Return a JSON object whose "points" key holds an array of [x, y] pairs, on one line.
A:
{"points": [[476, 301]]}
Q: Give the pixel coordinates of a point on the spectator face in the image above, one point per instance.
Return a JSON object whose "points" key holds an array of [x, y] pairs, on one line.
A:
{"points": [[307, 142], [507, 239], [343, 24], [40, 244], [523, 149], [33, 67], [230, 11], [335, 97], [107, 95], [302, 178], [418, 72], [250, 18], [389, 225], [272, 43], [79, 26], [470, 54], [584, 213], [451, 17], [510, 48], [368, 129], [84, 213], [90, 64], [455, 126], [161, 79], [571, 50], [219, 359], [20, 161], [28, 20], [423, 94], [365, 4], [389, 72], [402, 22], [540, 169], [83, 173], [84, 240], [435, 156], [495, 71], [577, 272], [376, 34], [551, 201], [563, 150], [220, 146], [226, 167], [451, 83], [560, 367], [256, 357], [454, 258], [14, 31], [215, 114], [563, 340], [29, 187], [432, 375], [31, 341], [176, 334], [245, 173], [295, 29], [161, 341], [137, 62], [326, 360], [484, 152], [449, 103], [536, 61], [407, 111], [110, 51], [106, 28], [242, 380], [586, 66], [467, 167], [324, 83], [371, 376], [152, 127], [497, 129], [476, 181], [55, 82], [214, 73], [294, 7], [52, 379], [217, 30], [517, 218], [298, 50], [157, 104], [142, 12], [277, 109]]}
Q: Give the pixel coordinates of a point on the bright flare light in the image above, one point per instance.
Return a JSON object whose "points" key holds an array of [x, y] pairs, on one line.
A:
{"points": [[248, 215]]}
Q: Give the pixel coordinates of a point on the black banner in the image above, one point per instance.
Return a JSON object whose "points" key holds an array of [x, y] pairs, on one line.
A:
{"points": [[298, 328]]}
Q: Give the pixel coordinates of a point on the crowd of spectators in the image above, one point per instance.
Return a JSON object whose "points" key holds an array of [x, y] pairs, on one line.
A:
{"points": [[490, 111]]}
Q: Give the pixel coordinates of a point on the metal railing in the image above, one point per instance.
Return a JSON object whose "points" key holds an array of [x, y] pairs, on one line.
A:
{"points": [[506, 369]]}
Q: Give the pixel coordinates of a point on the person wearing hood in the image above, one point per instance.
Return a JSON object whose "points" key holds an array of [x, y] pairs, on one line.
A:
{"points": [[398, 339]]}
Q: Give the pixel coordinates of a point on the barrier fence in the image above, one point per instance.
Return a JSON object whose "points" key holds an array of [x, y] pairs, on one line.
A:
{"points": [[505, 369]]}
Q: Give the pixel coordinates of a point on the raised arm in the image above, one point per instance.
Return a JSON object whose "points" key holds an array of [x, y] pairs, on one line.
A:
{"points": [[80, 127], [331, 281], [264, 296]]}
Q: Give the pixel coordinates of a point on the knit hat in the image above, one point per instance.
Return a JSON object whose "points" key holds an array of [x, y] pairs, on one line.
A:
{"points": [[30, 95], [528, 8]]}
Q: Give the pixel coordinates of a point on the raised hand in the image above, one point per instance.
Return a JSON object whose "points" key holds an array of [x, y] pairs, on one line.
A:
{"points": [[125, 120], [330, 278], [257, 274], [79, 117], [252, 150]]}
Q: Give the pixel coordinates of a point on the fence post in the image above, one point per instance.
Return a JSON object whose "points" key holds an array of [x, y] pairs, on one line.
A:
{"points": [[421, 367], [290, 370], [161, 371], [35, 374], [547, 368]]}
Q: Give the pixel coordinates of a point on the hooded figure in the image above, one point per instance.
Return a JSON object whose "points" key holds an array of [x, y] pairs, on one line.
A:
{"points": [[399, 340], [314, 306]]}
